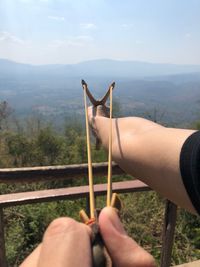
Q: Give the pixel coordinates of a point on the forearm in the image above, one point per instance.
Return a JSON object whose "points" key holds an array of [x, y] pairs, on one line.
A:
{"points": [[149, 152]]}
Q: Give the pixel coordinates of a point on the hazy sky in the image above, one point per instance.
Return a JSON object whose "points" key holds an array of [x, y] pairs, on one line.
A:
{"points": [[70, 31]]}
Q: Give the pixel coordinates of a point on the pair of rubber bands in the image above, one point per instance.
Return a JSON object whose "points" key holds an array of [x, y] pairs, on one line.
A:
{"points": [[90, 172]]}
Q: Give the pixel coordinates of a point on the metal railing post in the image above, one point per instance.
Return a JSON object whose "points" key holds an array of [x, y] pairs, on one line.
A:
{"points": [[168, 233], [3, 262]]}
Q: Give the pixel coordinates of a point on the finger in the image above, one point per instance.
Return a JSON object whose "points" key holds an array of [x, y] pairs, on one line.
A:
{"points": [[124, 251], [66, 243], [32, 259]]}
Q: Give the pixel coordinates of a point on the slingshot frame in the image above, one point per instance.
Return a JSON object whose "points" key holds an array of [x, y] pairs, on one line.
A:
{"points": [[99, 253]]}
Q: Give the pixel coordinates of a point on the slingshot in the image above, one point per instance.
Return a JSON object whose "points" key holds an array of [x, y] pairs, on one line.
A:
{"points": [[100, 255]]}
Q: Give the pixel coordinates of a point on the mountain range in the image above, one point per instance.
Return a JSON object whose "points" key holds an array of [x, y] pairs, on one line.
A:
{"points": [[98, 68], [141, 88]]}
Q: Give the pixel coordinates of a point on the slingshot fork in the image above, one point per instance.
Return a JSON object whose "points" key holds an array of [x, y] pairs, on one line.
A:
{"points": [[95, 102], [99, 253]]}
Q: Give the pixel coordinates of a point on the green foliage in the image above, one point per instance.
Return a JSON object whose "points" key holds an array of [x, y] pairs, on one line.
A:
{"points": [[20, 149], [197, 125], [25, 226], [35, 143], [5, 112], [50, 147], [143, 217], [186, 248]]}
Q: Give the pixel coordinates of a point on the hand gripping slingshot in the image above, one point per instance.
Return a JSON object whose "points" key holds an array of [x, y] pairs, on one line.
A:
{"points": [[100, 256]]}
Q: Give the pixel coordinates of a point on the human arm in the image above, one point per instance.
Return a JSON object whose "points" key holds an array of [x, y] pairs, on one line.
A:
{"points": [[147, 151]]}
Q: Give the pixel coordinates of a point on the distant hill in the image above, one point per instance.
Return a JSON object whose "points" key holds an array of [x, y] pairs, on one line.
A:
{"points": [[98, 68], [141, 88]]}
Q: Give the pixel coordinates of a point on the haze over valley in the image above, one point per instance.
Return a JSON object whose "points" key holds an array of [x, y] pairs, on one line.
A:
{"points": [[166, 92]]}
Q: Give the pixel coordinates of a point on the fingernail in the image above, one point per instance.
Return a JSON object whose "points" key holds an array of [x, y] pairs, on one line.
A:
{"points": [[113, 219]]}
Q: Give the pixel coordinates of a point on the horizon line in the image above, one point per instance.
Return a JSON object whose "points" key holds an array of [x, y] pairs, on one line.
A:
{"points": [[99, 59]]}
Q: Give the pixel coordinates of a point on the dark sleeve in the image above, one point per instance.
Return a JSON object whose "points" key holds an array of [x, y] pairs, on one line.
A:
{"points": [[190, 168]]}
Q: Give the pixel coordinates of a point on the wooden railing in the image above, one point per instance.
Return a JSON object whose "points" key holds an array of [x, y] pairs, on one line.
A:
{"points": [[38, 174]]}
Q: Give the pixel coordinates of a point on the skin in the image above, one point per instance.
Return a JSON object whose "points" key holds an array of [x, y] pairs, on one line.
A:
{"points": [[61, 246], [147, 151]]}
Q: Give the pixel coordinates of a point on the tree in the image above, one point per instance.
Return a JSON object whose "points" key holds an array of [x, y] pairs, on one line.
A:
{"points": [[197, 125], [21, 149], [5, 112], [50, 146]]}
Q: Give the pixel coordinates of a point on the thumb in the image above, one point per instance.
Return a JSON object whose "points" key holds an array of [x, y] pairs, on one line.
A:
{"points": [[123, 250]]}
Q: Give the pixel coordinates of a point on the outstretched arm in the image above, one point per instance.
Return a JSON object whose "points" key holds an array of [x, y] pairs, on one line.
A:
{"points": [[148, 151]]}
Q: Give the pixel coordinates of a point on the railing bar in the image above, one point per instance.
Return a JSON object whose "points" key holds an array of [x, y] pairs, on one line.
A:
{"points": [[68, 193], [46, 173]]}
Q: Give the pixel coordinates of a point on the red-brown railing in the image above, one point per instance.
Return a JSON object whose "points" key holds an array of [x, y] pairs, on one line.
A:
{"points": [[38, 174]]}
